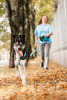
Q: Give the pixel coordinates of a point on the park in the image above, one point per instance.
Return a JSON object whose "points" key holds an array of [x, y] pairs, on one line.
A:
{"points": [[21, 17]]}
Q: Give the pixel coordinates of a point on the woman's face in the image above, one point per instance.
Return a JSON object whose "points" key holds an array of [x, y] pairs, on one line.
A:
{"points": [[44, 19]]}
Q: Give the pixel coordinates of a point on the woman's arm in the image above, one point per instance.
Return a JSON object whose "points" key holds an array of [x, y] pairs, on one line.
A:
{"points": [[35, 38], [49, 34], [35, 41]]}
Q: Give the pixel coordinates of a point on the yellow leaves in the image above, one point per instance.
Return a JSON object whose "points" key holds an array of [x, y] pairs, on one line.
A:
{"points": [[30, 68], [40, 84], [62, 85], [12, 97], [43, 7]]}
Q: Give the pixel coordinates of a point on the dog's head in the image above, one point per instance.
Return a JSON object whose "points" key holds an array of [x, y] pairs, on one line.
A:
{"points": [[19, 45]]}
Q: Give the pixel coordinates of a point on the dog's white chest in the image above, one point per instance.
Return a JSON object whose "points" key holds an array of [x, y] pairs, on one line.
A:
{"points": [[22, 62]]}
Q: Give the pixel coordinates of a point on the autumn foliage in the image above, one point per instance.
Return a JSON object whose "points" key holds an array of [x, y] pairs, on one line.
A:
{"points": [[40, 84]]}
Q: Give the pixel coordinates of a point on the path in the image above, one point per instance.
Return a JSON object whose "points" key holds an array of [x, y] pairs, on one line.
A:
{"points": [[40, 84], [3, 62]]}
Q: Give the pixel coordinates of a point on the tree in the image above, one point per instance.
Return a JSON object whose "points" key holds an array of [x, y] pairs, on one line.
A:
{"points": [[23, 14], [45, 7], [19, 18]]}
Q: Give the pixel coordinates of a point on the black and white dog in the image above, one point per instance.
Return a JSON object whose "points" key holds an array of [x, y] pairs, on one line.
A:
{"points": [[21, 57]]}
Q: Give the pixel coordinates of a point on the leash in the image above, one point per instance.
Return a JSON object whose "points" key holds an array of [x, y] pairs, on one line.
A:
{"points": [[44, 39]]}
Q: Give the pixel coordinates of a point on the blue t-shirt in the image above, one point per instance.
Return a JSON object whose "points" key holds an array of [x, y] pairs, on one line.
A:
{"points": [[42, 30]]}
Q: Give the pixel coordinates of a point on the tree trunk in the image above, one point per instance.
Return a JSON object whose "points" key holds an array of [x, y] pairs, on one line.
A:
{"points": [[33, 27], [14, 28], [13, 14], [18, 13], [28, 27]]}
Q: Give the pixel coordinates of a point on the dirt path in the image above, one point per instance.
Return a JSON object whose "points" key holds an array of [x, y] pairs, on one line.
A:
{"points": [[40, 84]]}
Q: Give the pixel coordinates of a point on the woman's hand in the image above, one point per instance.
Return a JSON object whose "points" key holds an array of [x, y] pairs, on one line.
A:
{"points": [[35, 45], [47, 35]]}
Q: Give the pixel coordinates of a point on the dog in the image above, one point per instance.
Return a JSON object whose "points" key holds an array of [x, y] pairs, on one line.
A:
{"points": [[21, 57]]}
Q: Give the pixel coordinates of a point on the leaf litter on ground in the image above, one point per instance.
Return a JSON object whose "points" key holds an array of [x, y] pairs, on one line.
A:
{"points": [[40, 84]]}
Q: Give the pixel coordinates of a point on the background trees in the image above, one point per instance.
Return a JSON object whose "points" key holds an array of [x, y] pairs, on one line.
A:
{"points": [[23, 16], [4, 25], [19, 12]]}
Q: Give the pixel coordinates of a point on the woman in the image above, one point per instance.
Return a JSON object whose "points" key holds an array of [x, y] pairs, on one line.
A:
{"points": [[44, 29]]}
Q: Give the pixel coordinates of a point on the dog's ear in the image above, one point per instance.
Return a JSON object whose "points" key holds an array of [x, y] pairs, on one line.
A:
{"points": [[23, 38], [23, 47], [14, 38], [20, 36]]}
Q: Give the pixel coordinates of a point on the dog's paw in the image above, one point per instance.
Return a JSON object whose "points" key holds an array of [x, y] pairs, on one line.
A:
{"points": [[24, 80], [17, 75], [21, 77]]}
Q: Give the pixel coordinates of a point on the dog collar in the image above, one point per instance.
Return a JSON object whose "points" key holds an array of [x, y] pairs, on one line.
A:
{"points": [[22, 58]]}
